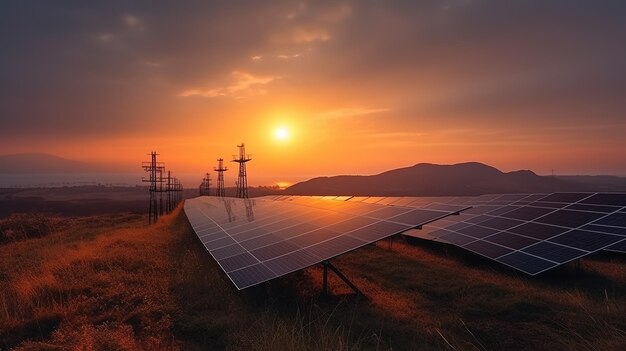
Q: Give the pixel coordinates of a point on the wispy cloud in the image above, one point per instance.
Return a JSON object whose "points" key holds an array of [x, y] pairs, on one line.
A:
{"points": [[302, 35], [288, 57], [132, 22], [105, 37], [242, 85], [350, 112]]}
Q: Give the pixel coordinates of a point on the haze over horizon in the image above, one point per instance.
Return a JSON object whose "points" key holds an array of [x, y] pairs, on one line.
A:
{"points": [[317, 87]]}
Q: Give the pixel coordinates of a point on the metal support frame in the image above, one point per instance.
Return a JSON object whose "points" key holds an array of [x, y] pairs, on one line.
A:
{"points": [[327, 265]]}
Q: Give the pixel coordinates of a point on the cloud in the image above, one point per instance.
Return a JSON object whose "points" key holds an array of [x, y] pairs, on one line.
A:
{"points": [[132, 22], [241, 85], [350, 112], [105, 37], [308, 35], [288, 57]]}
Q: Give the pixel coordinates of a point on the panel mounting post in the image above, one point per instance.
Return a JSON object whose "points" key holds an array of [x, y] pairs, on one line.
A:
{"points": [[325, 280], [327, 265]]}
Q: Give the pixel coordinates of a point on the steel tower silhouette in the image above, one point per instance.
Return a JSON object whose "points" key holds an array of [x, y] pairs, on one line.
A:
{"points": [[242, 180], [220, 169]]}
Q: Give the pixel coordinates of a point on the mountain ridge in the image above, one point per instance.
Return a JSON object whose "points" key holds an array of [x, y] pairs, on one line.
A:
{"points": [[427, 179]]}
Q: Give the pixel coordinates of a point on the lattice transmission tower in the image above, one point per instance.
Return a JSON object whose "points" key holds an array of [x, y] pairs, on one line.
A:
{"points": [[205, 186], [220, 169], [242, 180], [155, 178]]}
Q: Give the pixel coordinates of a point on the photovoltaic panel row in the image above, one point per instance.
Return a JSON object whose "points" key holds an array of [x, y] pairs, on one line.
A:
{"points": [[536, 232], [261, 239]]}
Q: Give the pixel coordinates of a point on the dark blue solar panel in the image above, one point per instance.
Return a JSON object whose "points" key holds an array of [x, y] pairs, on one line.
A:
{"points": [[571, 219], [619, 247], [513, 241], [455, 238], [334, 247], [377, 231], [594, 208], [553, 252], [584, 240], [456, 226], [537, 230], [251, 275], [607, 199], [227, 251], [351, 224], [387, 212], [291, 262], [526, 263], [418, 217], [487, 249], [260, 241], [274, 250], [478, 219], [236, 262], [295, 230], [565, 197], [547, 204], [604, 229], [477, 231], [527, 213], [616, 220], [500, 210], [501, 223]]}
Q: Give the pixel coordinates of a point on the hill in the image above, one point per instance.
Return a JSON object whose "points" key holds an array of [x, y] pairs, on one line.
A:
{"points": [[43, 163], [425, 179]]}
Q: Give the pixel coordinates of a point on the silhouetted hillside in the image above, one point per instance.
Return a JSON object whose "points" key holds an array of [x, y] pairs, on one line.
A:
{"points": [[43, 163], [426, 179]]}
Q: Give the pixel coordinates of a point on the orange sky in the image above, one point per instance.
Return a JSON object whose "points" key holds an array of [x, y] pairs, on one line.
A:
{"points": [[361, 87]]}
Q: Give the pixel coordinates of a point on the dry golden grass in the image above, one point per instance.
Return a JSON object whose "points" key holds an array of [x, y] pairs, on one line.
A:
{"points": [[114, 283]]}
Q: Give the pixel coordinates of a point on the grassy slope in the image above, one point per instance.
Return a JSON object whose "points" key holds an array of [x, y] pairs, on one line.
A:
{"points": [[111, 282]]}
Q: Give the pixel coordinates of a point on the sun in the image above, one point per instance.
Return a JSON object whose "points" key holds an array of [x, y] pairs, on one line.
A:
{"points": [[281, 133]]}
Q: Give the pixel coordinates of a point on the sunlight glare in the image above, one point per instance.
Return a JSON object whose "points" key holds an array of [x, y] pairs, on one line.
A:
{"points": [[281, 133]]}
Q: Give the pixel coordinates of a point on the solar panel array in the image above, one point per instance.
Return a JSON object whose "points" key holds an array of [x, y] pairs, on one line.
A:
{"points": [[255, 240], [530, 232]]}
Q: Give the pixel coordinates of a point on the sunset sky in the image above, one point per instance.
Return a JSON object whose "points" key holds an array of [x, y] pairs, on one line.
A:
{"points": [[317, 87]]}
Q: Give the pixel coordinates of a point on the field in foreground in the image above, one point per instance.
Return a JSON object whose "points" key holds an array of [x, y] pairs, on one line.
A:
{"points": [[113, 283]]}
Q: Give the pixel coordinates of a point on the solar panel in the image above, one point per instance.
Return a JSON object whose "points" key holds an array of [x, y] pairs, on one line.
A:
{"points": [[257, 240], [536, 232]]}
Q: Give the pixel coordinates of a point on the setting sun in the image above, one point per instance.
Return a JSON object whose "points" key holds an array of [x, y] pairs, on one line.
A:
{"points": [[281, 133]]}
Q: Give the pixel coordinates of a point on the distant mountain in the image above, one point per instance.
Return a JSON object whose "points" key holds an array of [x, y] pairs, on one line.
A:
{"points": [[43, 163], [427, 179]]}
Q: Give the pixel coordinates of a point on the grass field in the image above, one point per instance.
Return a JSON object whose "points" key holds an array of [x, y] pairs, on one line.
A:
{"points": [[114, 283]]}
